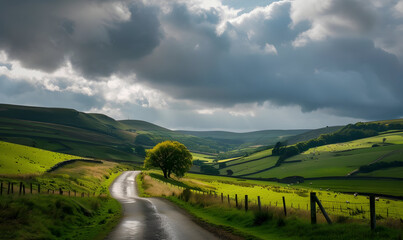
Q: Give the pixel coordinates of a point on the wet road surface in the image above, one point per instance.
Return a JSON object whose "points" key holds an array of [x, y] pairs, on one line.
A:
{"points": [[150, 218]]}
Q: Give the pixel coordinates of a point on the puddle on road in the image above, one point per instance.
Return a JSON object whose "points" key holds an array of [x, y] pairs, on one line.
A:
{"points": [[130, 228]]}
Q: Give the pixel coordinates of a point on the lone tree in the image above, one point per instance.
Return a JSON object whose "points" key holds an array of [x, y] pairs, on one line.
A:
{"points": [[171, 157]]}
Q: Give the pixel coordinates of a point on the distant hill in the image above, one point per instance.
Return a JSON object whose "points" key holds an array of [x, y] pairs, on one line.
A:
{"points": [[312, 134], [139, 125], [88, 135], [265, 137]]}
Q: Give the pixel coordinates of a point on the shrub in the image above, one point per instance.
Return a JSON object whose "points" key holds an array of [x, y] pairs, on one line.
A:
{"points": [[260, 217]]}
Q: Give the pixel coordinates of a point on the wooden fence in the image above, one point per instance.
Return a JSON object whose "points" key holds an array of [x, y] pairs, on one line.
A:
{"points": [[246, 203]]}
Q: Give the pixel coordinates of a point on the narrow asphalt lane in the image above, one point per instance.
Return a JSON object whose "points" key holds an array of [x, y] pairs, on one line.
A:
{"points": [[150, 218]]}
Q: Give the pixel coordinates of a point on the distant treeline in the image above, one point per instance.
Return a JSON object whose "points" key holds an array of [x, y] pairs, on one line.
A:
{"points": [[348, 133]]}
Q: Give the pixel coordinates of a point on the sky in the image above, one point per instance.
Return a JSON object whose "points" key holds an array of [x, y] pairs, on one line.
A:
{"points": [[231, 65]]}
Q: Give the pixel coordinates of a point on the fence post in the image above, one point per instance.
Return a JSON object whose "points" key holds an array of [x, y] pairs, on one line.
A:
{"points": [[259, 204], [12, 188], [313, 208], [39, 188], [30, 188], [372, 211], [20, 192], [228, 199], [236, 200], [285, 208], [323, 210], [246, 202], [222, 198], [8, 189], [23, 189]]}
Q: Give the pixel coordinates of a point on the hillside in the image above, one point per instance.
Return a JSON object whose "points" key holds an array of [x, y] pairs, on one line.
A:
{"points": [[97, 135], [312, 134], [265, 137], [19, 159], [87, 135], [336, 160]]}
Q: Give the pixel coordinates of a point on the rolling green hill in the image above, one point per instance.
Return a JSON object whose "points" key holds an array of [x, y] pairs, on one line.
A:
{"points": [[242, 140], [312, 134], [96, 135], [19, 159], [337, 160]]}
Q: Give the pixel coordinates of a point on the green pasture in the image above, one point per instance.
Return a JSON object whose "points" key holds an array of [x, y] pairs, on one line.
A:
{"points": [[261, 154], [57, 217], [254, 156], [203, 157], [297, 197], [19, 159], [379, 186], [396, 172], [391, 138], [250, 167], [323, 164]]}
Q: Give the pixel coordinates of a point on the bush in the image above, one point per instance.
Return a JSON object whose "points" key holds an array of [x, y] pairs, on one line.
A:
{"points": [[260, 217], [185, 195]]}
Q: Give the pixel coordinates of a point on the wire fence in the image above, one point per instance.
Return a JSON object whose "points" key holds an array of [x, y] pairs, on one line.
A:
{"points": [[355, 208], [23, 188]]}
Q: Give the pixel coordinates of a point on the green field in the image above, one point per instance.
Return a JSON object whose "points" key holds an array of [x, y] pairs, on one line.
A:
{"points": [[327, 163], [297, 196], [19, 159], [329, 160], [250, 167], [391, 138], [44, 216], [203, 157], [350, 214]]}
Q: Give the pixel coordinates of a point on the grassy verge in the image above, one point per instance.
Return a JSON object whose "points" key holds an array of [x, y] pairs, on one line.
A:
{"points": [[268, 224], [43, 216], [57, 217]]}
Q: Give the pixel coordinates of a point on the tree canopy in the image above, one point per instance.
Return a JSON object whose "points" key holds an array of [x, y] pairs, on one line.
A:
{"points": [[171, 157]]}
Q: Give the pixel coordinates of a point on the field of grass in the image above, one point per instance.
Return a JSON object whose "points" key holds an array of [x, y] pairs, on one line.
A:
{"points": [[250, 167], [379, 186], [48, 216], [273, 224], [57, 217], [391, 138], [327, 163], [19, 159], [336, 202], [203, 157], [329, 160], [390, 172]]}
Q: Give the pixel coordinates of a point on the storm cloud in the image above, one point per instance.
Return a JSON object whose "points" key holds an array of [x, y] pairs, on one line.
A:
{"points": [[341, 57]]}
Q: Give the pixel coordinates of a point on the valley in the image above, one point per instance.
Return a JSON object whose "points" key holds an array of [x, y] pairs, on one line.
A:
{"points": [[255, 188]]}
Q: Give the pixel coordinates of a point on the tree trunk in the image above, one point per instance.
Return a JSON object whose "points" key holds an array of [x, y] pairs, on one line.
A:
{"points": [[165, 173]]}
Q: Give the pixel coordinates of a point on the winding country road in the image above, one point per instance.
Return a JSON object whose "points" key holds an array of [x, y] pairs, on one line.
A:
{"points": [[150, 218]]}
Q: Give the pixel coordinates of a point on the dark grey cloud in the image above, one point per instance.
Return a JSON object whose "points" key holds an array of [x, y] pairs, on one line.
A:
{"points": [[346, 72], [97, 36], [341, 56]]}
